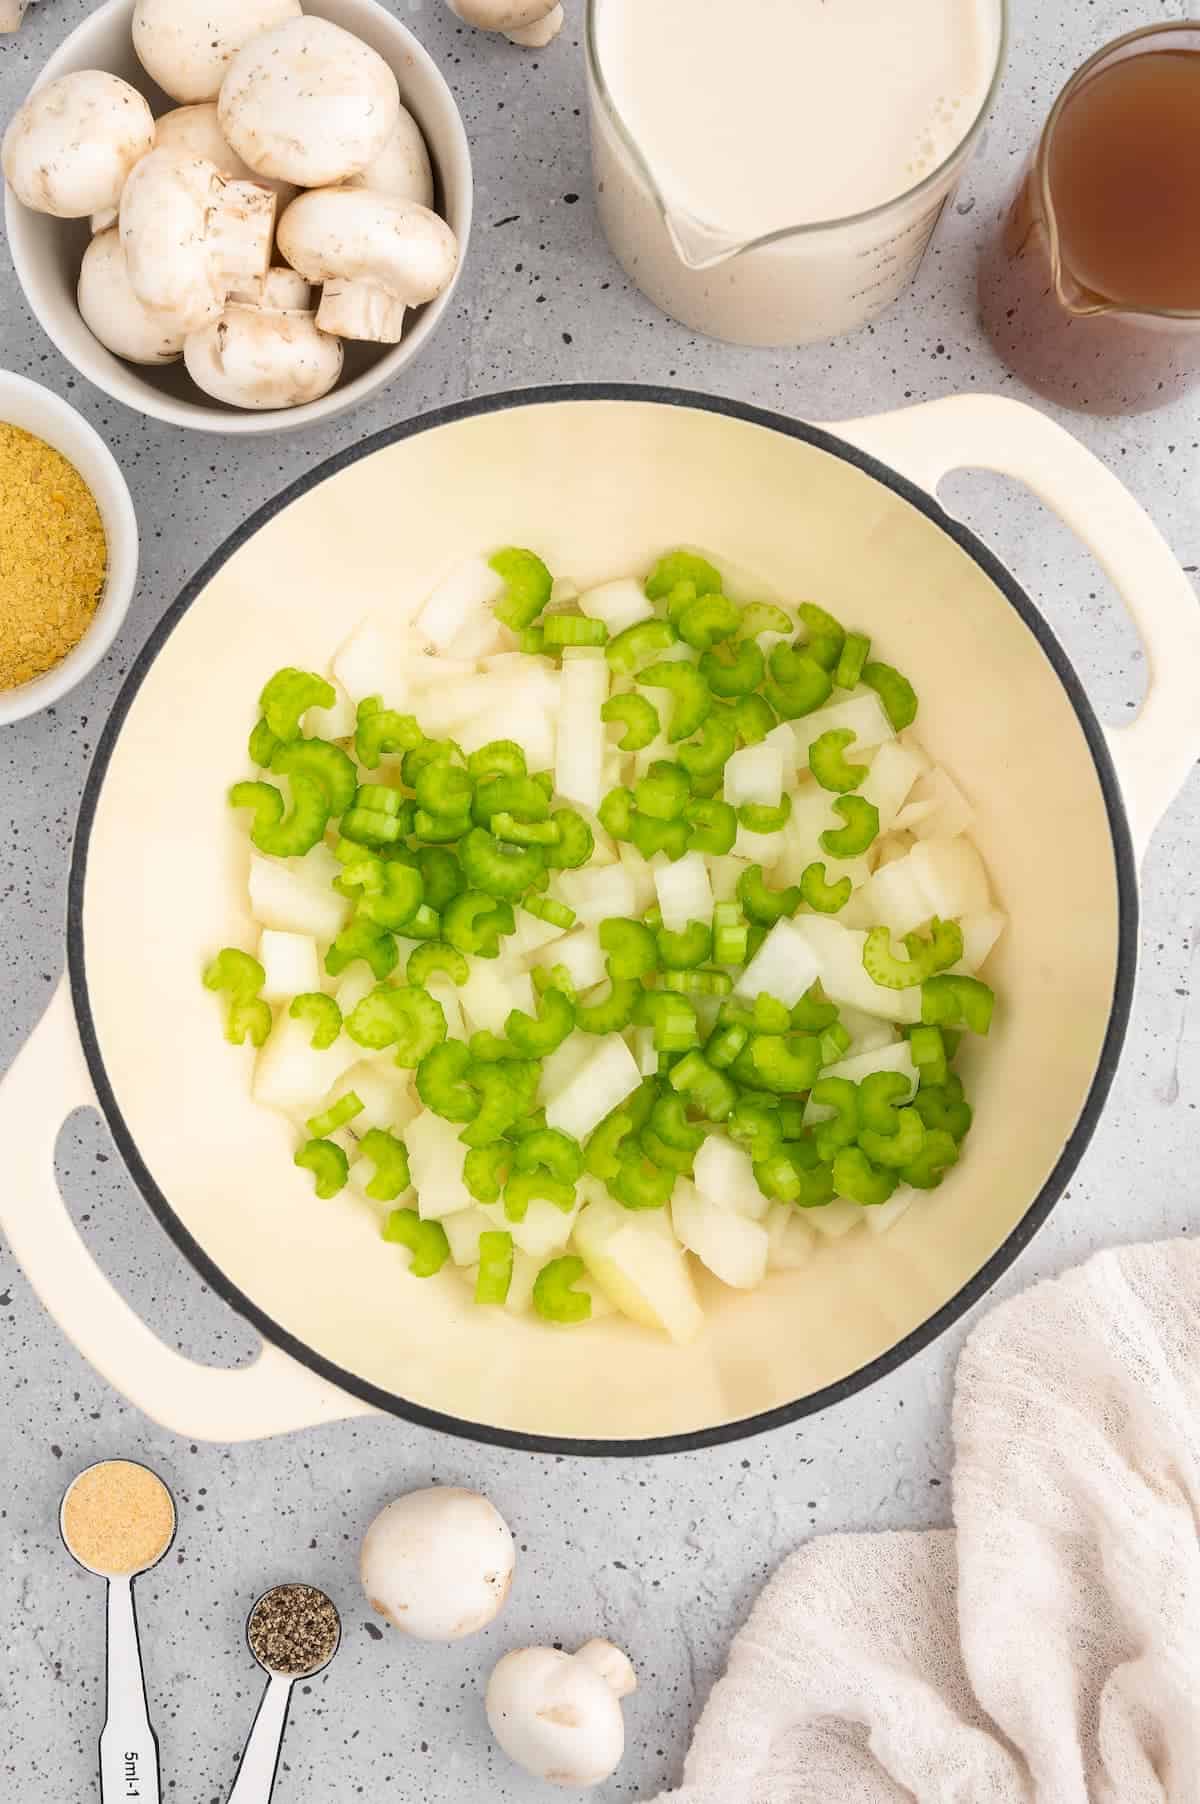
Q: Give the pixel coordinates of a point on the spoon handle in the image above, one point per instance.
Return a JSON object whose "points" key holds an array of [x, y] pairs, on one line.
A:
{"points": [[256, 1775], [128, 1745]]}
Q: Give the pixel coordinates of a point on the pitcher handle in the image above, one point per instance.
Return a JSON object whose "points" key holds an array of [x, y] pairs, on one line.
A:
{"points": [[275, 1395], [1155, 753]]}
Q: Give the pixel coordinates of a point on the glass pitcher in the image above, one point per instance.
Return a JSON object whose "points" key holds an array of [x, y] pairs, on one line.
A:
{"points": [[789, 287], [1052, 325]]}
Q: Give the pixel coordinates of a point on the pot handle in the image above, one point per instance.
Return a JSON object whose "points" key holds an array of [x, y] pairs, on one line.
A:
{"points": [[1155, 753], [275, 1395]]}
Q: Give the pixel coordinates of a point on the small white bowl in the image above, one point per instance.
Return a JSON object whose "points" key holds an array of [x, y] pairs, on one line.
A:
{"points": [[47, 252], [35, 409]]}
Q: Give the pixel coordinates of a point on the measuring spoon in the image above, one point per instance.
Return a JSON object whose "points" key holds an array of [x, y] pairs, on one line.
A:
{"points": [[260, 1759], [128, 1745]]}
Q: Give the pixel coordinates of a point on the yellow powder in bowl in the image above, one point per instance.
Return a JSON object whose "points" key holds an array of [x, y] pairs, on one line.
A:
{"points": [[118, 1518], [53, 556]]}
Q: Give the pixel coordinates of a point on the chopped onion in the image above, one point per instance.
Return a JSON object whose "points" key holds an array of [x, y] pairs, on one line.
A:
{"points": [[579, 766], [444, 990], [883, 1216], [724, 1174], [954, 814], [812, 813], [290, 962], [483, 636], [522, 717], [463, 1229], [560, 1066], [724, 870], [352, 986], [862, 712], [291, 1073], [896, 1057], [766, 849], [888, 784], [912, 814], [837, 1218], [580, 954], [385, 1092], [952, 874], [458, 599], [441, 709], [489, 995], [838, 952], [790, 1242], [645, 1051], [604, 1081], [636, 1260], [641, 875], [619, 604], [733, 1248], [980, 933], [785, 966], [435, 1159], [684, 892], [755, 774], [597, 895], [867, 1032], [892, 898], [524, 1276], [297, 896], [375, 661], [337, 722], [546, 1228], [783, 739]]}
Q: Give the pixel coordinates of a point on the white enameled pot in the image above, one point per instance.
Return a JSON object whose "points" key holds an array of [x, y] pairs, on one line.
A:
{"points": [[600, 480]]}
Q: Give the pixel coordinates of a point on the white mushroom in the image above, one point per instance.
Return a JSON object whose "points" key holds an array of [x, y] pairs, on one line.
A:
{"points": [[190, 237], [267, 352], [402, 168], [113, 313], [530, 23], [308, 103], [375, 255], [11, 14], [559, 1715], [197, 130], [438, 1564], [188, 45], [70, 147]]}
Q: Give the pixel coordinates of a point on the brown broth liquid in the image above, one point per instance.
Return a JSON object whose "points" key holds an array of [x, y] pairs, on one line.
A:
{"points": [[1125, 181], [1123, 170]]}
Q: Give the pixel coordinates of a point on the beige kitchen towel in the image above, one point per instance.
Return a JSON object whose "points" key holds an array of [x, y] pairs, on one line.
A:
{"points": [[1046, 1650]]}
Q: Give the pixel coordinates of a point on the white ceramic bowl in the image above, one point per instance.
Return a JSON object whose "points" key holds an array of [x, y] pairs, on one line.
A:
{"points": [[47, 252], [25, 404]]}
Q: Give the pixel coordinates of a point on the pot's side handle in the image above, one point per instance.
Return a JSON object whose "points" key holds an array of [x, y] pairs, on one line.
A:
{"points": [[275, 1395], [989, 432]]}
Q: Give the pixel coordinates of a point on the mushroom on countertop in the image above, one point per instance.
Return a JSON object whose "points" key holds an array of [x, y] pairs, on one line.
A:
{"points": [[402, 168], [188, 45], [438, 1564], [375, 255], [265, 353], [11, 14], [113, 313], [71, 146], [308, 103], [559, 1715], [531, 23], [189, 236]]}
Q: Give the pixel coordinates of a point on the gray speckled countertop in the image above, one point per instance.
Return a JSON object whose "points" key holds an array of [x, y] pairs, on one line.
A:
{"points": [[664, 1556]]}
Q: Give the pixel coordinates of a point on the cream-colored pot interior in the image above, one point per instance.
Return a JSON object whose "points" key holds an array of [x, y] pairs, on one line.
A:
{"points": [[599, 488]]}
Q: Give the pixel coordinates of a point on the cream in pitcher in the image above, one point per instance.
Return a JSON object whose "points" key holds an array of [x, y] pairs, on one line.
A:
{"points": [[717, 125]]}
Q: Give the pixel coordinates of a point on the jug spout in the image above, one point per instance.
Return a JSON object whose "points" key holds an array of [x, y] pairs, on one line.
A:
{"points": [[697, 245]]}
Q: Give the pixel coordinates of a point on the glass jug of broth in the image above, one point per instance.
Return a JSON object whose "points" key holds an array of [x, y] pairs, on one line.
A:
{"points": [[1091, 290]]}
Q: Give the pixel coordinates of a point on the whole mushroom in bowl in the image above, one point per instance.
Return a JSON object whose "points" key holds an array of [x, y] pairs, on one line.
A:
{"points": [[375, 256], [265, 351], [71, 146], [189, 236], [308, 103], [113, 312], [186, 46]]}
